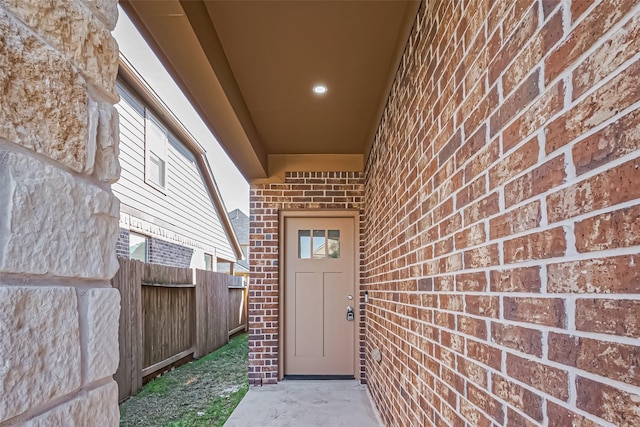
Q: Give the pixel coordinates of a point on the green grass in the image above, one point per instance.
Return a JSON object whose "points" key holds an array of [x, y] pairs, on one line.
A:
{"points": [[216, 414], [158, 386], [212, 386]]}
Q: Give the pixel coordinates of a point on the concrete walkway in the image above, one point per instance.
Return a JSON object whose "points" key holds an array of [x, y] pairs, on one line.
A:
{"points": [[306, 403]]}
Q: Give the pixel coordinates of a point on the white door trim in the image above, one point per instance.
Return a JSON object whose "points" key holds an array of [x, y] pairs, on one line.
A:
{"points": [[317, 213]]}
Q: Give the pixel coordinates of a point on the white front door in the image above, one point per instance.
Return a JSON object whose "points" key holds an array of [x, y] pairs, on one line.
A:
{"points": [[319, 290]]}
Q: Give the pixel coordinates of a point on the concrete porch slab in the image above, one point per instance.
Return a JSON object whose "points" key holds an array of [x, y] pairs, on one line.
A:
{"points": [[306, 403]]}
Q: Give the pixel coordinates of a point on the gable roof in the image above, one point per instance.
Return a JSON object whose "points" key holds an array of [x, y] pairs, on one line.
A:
{"points": [[128, 74]]}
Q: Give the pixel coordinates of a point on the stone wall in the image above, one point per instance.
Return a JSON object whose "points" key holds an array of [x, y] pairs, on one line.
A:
{"points": [[301, 190], [58, 217], [502, 218]]}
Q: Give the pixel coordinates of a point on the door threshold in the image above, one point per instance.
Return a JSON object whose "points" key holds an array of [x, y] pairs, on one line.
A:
{"points": [[319, 377]]}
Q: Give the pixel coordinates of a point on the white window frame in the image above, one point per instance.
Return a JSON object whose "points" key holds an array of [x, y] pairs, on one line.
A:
{"points": [[156, 141], [212, 259]]}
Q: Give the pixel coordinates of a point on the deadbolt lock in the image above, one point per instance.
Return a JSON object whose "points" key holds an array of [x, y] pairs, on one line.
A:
{"points": [[350, 314]]}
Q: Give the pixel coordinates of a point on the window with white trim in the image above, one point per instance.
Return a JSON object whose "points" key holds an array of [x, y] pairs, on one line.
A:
{"points": [[156, 141], [138, 247], [208, 262]]}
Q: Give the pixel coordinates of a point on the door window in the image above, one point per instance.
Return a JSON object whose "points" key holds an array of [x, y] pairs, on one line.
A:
{"points": [[304, 244], [318, 244], [333, 243]]}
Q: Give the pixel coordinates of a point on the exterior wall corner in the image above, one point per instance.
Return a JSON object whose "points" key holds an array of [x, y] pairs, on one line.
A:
{"points": [[58, 216]]}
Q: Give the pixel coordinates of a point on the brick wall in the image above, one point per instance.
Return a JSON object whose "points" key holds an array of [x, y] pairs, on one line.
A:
{"points": [[301, 190], [503, 219], [158, 251], [122, 246], [168, 253]]}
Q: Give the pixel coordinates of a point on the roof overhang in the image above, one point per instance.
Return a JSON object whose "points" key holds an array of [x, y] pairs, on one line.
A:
{"points": [[248, 68]]}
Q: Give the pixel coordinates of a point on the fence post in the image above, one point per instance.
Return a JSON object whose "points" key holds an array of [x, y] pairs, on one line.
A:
{"points": [[128, 281], [200, 315]]}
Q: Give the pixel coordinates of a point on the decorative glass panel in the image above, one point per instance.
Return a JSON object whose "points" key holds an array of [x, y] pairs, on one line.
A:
{"points": [[319, 244], [333, 244], [304, 244]]}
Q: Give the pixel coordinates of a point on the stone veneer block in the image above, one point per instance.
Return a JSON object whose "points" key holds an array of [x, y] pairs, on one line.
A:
{"points": [[97, 407], [105, 10], [107, 164], [71, 28], [40, 347], [103, 313], [53, 223], [44, 100]]}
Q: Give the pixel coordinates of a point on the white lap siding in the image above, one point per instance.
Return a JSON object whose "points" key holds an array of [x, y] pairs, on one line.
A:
{"points": [[185, 207]]}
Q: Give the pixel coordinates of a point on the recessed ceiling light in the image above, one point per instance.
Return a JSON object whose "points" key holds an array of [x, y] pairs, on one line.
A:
{"points": [[319, 89]]}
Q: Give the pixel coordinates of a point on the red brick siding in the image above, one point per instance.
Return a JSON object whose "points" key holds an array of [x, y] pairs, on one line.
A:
{"points": [[502, 218], [301, 190]]}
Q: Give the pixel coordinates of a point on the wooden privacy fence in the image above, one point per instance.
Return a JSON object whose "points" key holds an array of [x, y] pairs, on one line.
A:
{"points": [[166, 316]]}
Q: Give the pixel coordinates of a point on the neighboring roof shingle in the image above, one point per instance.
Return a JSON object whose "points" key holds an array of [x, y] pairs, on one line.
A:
{"points": [[240, 223]]}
